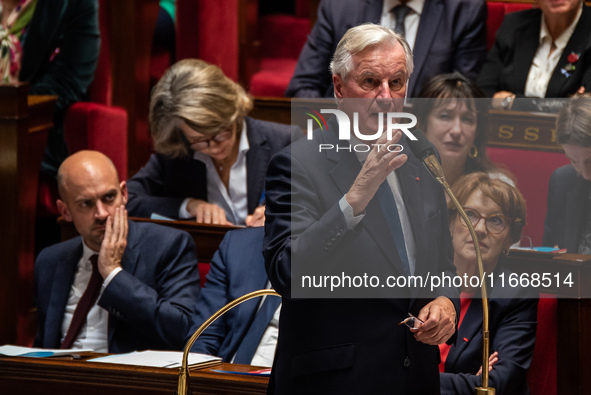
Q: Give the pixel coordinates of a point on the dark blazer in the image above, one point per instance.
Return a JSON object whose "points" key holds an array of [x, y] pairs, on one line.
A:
{"points": [[164, 182], [509, 60], [355, 345], [150, 303], [568, 208], [237, 268], [70, 27], [512, 326], [451, 37]]}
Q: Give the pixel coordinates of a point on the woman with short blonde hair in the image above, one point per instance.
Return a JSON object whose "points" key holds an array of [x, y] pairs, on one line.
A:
{"points": [[211, 158]]}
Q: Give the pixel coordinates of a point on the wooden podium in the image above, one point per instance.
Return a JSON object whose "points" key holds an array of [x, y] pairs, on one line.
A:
{"points": [[24, 123], [21, 375], [574, 311]]}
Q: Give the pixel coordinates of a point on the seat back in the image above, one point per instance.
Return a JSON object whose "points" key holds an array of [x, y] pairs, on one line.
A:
{"points": [[541, 376], [496, 13], [532, 169]]}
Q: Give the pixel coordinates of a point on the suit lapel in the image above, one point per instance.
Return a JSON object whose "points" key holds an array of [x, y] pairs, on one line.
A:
{"points": [[526, 48], [471, 325], [45, 22], [576, 199], [257, 159], [428, 27], [372, 11], [576, 45], [62, 283], [345, 170]]}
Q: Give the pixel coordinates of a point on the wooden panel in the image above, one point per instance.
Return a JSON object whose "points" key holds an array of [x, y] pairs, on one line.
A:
{"points": [[54, 376], [574, 313], [506, 129], [523, 130], [131, 28], [24, 124]]}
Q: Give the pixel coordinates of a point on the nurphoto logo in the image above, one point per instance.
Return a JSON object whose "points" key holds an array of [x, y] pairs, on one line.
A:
{"points": [[344, 132]]}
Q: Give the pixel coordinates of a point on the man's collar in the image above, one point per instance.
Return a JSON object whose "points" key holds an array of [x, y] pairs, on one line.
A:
{"points": [[415, 5]]}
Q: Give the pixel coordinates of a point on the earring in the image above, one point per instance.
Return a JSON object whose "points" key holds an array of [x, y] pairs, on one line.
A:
{"points": [[506, 251], [473, 152]]}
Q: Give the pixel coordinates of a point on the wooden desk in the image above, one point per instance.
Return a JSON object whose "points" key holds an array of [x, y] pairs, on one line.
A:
{"points": [[505, 129], [574, 313], [21, 375], [24, 124], [207, 238]]}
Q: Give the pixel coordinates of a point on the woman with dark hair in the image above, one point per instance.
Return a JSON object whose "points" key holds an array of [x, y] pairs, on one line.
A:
{"points": [[497, 211], [454, 119]]}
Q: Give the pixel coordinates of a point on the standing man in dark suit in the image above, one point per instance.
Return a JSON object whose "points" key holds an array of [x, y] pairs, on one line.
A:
{"points": [[237, 268], [445, 36], [121, 286], [347, 212], [568, 218]]}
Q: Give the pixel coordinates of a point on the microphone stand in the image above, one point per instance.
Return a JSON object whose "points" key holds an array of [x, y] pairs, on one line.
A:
{"points": [[433, 166], [183, 383]]}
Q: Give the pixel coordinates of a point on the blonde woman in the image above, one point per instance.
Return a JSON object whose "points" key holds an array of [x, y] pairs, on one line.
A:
{"points": [[211, 158]]}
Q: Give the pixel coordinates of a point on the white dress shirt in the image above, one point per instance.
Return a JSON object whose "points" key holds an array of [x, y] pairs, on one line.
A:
{"points": [[392, 178], [411, 22], [265, 352], [234, 199], [94, 333], [545, 62]]}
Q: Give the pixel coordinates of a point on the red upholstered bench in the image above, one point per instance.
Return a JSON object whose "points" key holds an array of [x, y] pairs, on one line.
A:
{"points": [[532, 170]]}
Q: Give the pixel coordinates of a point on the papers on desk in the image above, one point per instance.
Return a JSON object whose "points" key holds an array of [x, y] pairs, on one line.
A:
{"points": [[16, 351], [160, 359], [555, 250]]}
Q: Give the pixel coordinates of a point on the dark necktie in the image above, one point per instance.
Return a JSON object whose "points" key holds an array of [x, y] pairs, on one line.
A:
{"points": [[251, 340], [400, 13], [84, 304], [390, 211], [585, 242]]}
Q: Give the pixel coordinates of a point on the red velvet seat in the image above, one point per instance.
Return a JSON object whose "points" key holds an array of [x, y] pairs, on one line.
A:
{"points": [[92, 125], [532, 170], [541, 377], [496, 13], [282, 38]]}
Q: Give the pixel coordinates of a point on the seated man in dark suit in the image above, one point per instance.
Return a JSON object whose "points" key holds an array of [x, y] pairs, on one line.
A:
{"points": [[121, 286], [568, 218], [445, 36], [238, 268]]}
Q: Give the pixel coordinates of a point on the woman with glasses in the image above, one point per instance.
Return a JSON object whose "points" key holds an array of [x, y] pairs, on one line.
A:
{"points": [[497, 212], [452, 116], [211, 158]]}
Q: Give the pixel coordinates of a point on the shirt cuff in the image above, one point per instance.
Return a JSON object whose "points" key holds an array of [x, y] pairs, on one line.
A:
{"points": [[350, 218], [183, 213], [111, 276]]}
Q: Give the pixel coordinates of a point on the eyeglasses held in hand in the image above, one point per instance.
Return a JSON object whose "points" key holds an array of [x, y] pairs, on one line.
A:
{"points": [[412, 322]]}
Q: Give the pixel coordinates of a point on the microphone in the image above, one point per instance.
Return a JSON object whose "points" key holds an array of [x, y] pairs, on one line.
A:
{"points": [[425, 152]]}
